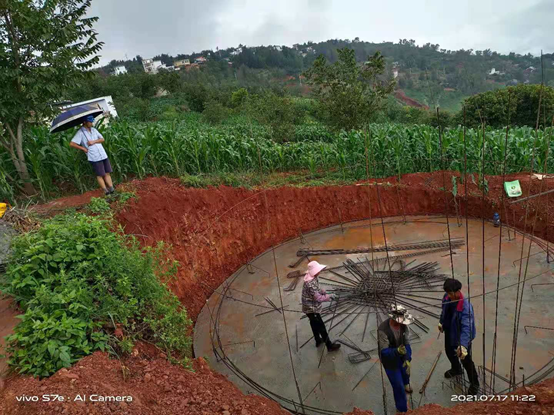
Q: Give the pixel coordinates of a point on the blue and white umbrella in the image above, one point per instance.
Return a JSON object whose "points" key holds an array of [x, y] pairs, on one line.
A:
{"points": [[74, 117]]}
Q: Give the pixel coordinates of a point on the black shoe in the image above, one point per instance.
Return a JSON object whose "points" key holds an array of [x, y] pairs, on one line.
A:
{"points": [[450, 374], [111, 190], [473, 390], [318, 343], [333, 347]]}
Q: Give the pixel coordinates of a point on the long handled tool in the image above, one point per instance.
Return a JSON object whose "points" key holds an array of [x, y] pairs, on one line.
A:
{"points": [[424, 386]]}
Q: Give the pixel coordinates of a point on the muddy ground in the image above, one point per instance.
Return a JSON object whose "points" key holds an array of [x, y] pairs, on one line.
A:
{"points": [[215, 231]]}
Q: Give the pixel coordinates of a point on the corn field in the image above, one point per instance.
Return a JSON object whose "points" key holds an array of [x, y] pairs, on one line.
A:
{"points": [[137, 150]]}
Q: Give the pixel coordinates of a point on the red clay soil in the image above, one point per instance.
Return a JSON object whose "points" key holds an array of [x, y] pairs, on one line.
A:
{"points": [[215, 231], [401, 95], [155, 386]]}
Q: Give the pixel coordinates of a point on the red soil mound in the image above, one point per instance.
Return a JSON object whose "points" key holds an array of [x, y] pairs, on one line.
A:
{"points": [[155, 385]]}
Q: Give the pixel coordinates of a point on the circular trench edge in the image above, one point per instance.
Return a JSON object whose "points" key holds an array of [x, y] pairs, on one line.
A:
{"points": [[225, 284]]}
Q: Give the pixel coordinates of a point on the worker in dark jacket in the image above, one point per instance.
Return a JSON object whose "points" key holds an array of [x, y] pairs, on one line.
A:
{"points": [[396, 354], [458, 324]]}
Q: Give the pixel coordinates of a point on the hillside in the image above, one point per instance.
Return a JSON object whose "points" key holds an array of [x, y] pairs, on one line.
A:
{"points": [[427, 73]]}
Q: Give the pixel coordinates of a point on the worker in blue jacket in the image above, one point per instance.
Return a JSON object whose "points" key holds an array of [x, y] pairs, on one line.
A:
{"points": [[396, 354], [458, 324]]}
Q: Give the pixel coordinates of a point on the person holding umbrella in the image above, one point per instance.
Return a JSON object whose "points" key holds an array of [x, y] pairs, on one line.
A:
{"points": [[395, 353], [89, 140]]}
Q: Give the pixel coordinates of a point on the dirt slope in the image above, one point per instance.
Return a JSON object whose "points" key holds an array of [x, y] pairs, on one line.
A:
{"points": [[213, 233]]}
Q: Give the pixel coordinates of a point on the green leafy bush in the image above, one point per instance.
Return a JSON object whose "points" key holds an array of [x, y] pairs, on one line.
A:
{"points": [[75, 279], [214, 112], [492, 107], [99, 205]]}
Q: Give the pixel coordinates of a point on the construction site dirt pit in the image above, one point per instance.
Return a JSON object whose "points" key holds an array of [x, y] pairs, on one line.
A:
{"points": [[252, 327]]}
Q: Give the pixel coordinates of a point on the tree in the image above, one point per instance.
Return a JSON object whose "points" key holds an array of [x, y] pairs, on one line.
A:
{"points": [[492, 107], [46, 47], [349, 94]]}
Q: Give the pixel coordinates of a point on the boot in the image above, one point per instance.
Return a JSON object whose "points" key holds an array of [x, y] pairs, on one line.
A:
{"points": [[450, 374], [473, 389], [333, 347]]}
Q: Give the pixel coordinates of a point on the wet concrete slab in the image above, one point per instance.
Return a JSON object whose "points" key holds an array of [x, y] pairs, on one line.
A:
{"points": [[267, 355]]}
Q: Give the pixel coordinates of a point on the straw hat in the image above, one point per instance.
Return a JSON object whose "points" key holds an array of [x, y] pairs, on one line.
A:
{"points": [[400, 314], [314, 268]]}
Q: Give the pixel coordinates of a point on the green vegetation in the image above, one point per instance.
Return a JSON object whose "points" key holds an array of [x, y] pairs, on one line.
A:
{"points": [[99, 205], [191, 147], [349, 95], [466, 71], [46, 47], [253, 180], [77, 281], [522, 102]]}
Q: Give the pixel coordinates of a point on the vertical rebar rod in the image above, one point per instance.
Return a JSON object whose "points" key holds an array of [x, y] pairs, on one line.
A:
{"points": [[483, 179], [530, 244], [445, 194], [281, 295], [493, 364], [367, 144], [466, 214], [514, 335]]}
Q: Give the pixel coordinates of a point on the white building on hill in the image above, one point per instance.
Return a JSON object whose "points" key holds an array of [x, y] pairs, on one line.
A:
{"points": [[151, 66], [120, 70]]}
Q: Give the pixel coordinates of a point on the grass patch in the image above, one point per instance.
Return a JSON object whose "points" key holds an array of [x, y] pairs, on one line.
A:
{"points": [[77, 281], [273, 180]]}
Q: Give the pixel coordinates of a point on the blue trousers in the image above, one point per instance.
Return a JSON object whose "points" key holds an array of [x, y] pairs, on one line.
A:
{"points": [[398, 378]]}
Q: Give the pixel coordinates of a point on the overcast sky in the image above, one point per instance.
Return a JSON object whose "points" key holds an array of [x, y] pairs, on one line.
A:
{"points": [[152, 27]]}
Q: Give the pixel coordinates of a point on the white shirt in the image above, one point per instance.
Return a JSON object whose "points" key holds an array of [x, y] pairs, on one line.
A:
{"points": [[95, 152]]}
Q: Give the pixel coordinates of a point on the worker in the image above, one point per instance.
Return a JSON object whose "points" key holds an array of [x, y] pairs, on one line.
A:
{"points": [[312, 297], [89, 140], [395, 353], [458, 324]]}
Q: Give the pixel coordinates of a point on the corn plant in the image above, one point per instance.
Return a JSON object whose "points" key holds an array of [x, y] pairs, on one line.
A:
{"points": [[178, 148]]}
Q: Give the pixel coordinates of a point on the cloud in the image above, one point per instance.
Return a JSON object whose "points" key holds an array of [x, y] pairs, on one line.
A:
{"points": [[148, 28], [530, 29]]}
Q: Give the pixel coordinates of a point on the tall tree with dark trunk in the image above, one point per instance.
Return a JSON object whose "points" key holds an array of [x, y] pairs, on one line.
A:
{"points": [[46, 47]]}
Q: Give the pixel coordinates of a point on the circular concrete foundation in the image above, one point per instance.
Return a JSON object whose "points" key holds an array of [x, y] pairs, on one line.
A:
{"points": [[252, 328]]}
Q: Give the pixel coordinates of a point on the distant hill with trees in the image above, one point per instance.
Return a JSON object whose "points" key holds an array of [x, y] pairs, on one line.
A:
{"points": [[427, 73]]}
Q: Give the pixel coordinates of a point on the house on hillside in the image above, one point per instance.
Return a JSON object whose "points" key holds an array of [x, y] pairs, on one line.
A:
{"points": [[493, 71], [120, 70], [200, 60], [395, 69], [152, 67], [148, 65], [180, 63]]}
